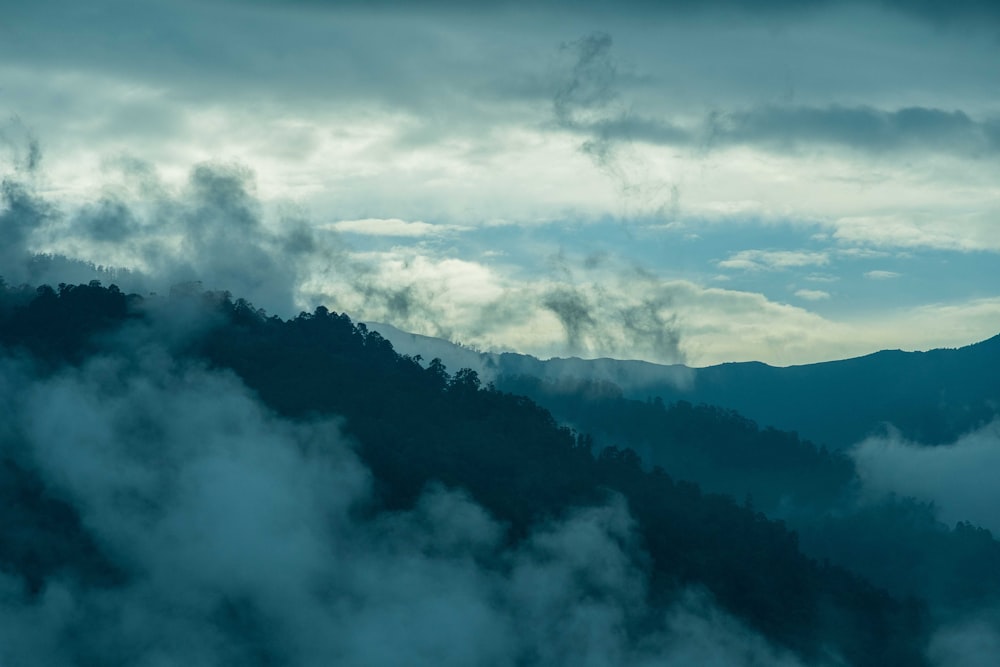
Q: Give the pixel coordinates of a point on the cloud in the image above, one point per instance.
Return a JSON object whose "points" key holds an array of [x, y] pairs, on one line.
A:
{"points": [[968, 642], [619, 311], [968, 10], [392, 227], [145, 233], [239, 539], [21, 216], [654, 322], [614, 309], [956, 477], [861, 253], [791, 129], [574, 313], [812, 294], [21, 145], [603, 317], [964, 229], [587, 101], [880, 274], [964, 12], [589, 88], [859, 128], [213, 229], [772, 260]]}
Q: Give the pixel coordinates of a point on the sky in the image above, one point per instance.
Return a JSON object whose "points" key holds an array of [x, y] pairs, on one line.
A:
{"points": [[676, 181]]}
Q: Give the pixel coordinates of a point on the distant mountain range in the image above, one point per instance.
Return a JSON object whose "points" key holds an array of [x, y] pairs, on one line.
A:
{"points": [[928, 397]]}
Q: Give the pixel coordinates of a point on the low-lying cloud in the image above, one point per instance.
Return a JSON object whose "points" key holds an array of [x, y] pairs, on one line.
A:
{"points": [[958, 478], [969, 642], [245, 538]]}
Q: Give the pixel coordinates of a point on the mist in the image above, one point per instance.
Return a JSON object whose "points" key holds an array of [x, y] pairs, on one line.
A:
{"points": [[959, 478], [238, 536]]}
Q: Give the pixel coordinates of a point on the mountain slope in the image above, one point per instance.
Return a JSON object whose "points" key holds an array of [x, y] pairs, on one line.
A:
{"points": [[416, 428], [930, 397]]}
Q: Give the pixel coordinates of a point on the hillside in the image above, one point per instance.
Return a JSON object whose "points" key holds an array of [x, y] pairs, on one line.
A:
{"points": [[151, 385], [930, 397]]}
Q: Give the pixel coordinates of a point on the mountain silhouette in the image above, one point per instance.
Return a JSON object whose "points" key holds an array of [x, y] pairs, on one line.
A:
{"points": [[149, 426], [928, 397]]}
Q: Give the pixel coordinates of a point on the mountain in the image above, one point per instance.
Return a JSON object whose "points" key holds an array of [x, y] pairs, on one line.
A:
{"points": [[898, 542], [929, 397], [185, 473]]}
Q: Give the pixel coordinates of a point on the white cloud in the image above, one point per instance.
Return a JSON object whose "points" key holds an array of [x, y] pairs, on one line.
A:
{"points": [[392, 227], [960, 478], [771, 260], [879, 274], [965, 226], [812, 294], [861, 253], [822, 278], [971, 320]]}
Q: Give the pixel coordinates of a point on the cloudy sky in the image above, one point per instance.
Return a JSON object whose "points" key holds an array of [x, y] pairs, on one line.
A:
{"points": [[672, 181]]}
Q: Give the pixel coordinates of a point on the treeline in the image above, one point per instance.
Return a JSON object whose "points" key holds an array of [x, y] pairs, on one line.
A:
{"points": [[898, 543], [418, 424], [723, 450]]}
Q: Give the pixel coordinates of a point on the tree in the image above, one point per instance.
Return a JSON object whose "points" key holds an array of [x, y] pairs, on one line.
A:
{"points": [[466, 380]]}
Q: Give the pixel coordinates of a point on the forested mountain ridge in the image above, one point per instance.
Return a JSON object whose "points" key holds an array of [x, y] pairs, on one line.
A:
{"points": [[896, 541], [929, 397], [417, 426]]}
